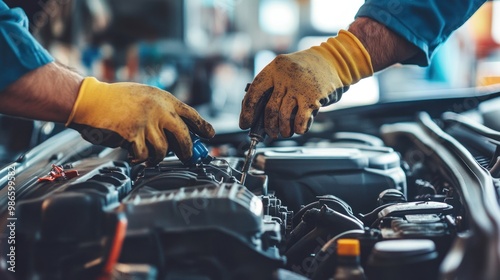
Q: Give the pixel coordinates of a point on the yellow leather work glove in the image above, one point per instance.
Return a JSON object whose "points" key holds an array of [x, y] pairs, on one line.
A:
{"points": [[140, 118], [304, 81]]}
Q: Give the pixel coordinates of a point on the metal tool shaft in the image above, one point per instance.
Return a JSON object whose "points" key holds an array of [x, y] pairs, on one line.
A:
{"points": [[248, 159], [257, 132]]}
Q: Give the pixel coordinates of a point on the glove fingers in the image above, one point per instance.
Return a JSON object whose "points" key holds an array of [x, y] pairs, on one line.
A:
{"points": [[260, 84], [139, 149], [305, 116], [178, 137], [195, 122], [272, 111], [305, 123], [158, 146], [287, 117], [334, 96]]}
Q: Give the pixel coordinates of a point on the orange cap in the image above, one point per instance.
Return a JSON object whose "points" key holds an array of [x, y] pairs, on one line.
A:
{"points": [[348, 247]]}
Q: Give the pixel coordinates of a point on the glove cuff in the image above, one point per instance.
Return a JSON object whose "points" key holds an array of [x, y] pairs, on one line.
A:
{"points": [[348, 56], [359, 54], [85, 98]]}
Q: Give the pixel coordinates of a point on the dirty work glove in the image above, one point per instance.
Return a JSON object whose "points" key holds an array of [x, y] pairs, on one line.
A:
{"points": [[143, 119], [304, 81]]}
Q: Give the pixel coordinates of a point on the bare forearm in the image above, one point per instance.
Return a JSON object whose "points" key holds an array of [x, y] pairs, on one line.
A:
{"points": [[46, 93], [384, 46]]}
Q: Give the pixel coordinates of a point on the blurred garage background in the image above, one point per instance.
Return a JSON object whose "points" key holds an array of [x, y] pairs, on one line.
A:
{"points": [[206, 51]]}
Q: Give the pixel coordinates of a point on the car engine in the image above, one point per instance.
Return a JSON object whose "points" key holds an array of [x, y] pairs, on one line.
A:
{"points": [[403, 194]]}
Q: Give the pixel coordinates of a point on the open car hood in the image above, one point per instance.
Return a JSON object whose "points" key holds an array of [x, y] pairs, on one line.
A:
{"points": [[399, 172]]}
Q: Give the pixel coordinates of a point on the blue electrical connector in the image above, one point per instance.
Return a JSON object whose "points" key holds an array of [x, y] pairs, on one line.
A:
{"points": [[200, 152]]}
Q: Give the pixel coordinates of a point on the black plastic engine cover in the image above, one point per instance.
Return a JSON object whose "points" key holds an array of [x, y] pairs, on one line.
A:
{"points": [[69, 232], [355, 173], [210, 230]]}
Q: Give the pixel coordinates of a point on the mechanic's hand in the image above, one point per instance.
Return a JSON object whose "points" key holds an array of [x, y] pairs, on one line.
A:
{"points": [[141, 118], [304, 81]]}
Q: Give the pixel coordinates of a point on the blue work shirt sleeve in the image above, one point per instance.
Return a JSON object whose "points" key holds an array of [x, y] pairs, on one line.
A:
{"points": [[425, 23], [19, 51]]}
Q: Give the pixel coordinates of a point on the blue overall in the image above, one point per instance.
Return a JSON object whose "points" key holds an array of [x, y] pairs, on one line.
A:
{"points": [[425, 23], [19, 51]]}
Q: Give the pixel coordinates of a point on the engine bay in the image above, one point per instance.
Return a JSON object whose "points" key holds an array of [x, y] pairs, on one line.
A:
{"points": [[412, 195]]}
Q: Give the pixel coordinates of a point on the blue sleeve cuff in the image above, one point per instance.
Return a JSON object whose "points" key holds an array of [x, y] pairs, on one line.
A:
{"points": [[426, 23], [19, 51]]}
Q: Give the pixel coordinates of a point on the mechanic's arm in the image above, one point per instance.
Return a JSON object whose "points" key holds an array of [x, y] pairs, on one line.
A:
{"points": [[46, 93], [385, 32], [384, 46], [140, 118], [304, 81], [143, 119]]}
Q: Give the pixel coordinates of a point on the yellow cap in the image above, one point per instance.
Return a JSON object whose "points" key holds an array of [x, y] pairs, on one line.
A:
{"points": [[348, 247]]}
